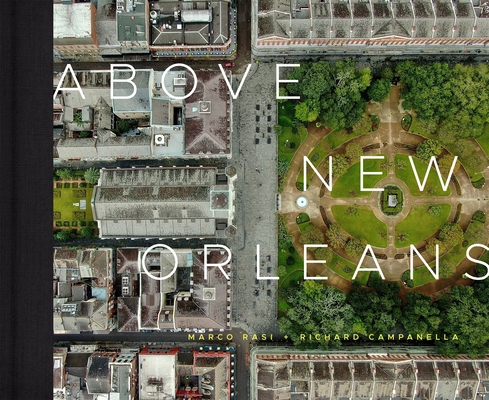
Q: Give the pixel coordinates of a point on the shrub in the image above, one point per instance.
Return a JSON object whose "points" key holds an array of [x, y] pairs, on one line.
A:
{"points": [[86, 232], [80, 193], [78, 215], [479, 215], [291, 249], [57, 193], [410, 283], [405, 275], [67, 185], [66, 223], [83, 185], [59, 185], [479, 184], [83, 223], [74, 223], [290, 260], [406, 122], [56, 215], [74, 185], [92, 223], [284, 121], [59, 223]]}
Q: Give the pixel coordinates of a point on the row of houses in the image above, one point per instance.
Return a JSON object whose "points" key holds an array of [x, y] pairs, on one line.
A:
{"points": [[311, 27], [283, 373], [157, 122], [89, 372], [104, 28], [91, 295]]}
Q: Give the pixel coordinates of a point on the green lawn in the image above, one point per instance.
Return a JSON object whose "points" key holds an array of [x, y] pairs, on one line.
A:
{"points": [[433, 185], [287, 137], [419, 224], [483, 140], [422, 276], [350, 181], [455, 255], [346, 269], [64, 205], [362, 225]]}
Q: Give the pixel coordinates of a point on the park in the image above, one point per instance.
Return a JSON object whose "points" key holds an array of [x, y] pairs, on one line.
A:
{"points": [[428, 196]]}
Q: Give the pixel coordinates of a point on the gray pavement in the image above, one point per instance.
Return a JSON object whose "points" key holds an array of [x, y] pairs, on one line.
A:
{"points": [[255, 158]]}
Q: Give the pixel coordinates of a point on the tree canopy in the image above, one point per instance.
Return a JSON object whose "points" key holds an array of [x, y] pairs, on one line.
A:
{"points": [[456, 99], [316, 309], [330, 92]]}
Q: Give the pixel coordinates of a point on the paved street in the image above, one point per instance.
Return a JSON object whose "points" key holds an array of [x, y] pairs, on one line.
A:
{"points": [[255, 157]]}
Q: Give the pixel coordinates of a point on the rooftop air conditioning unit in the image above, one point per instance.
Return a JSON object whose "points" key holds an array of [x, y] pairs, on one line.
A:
{"points": [[160, 140]]}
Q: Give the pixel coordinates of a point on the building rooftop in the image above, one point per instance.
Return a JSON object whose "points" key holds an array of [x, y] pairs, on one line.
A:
{"points": [[72, 21], [207, 125], [191, 23], [82, 287], [283, 373], [140, 102], [132, 25], [157, 372], [298, 22], [158, 202]]}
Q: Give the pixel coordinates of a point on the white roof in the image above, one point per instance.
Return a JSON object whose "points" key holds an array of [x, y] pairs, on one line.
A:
{"points": [[72, 20], [154, 367]]}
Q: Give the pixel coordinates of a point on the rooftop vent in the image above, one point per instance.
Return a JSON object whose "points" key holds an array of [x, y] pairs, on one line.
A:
{"points": [[204, 107], [209, 293], [160, 140]]}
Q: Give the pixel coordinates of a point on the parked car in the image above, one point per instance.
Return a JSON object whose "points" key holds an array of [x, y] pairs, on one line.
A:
{"points": [[229, 64]]}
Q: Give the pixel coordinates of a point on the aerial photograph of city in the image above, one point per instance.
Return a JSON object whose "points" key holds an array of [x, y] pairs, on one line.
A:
{"points": [[270, 199]]}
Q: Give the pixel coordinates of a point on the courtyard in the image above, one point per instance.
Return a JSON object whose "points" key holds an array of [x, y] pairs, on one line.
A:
{"points": [[389, 222]]}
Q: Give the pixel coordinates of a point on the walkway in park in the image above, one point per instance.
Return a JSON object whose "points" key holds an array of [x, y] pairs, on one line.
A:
{"points": [[390, 132]]}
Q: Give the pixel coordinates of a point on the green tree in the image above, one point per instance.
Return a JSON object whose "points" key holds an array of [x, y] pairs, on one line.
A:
{"points": [[465, 313], [451, 234], [387, 73], [312, 235], [281, 271], [445, 163], [427, 149], [78, 118], [353, 152], [62, 236], [64, 174], [86, 232], [91, 175], [304, 112], [336, 237], [340, 165], [379, 90], [337, 89], [434, 210], [377, 310], [324, 253], [431, 246], [447, 268], [316, 309], [355, 247], [420, 315]]}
